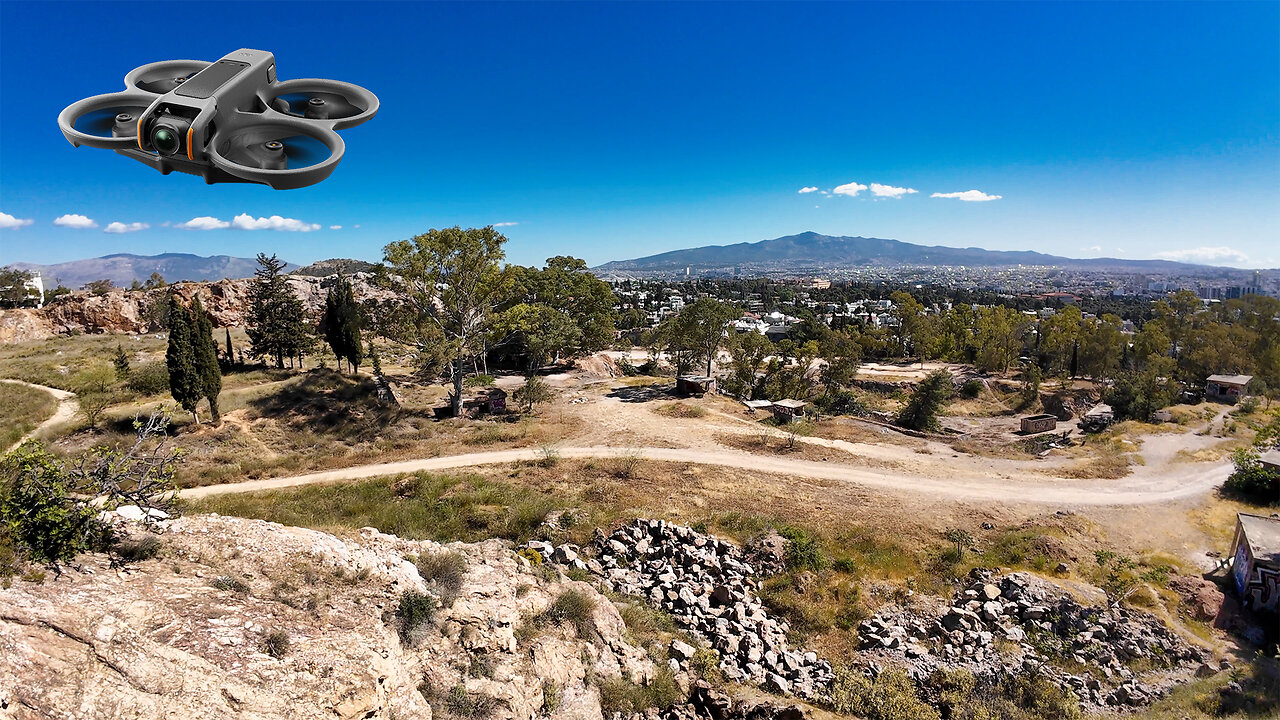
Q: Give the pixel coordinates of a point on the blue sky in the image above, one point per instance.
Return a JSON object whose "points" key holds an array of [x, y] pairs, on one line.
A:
{"points": [[616, 130]]}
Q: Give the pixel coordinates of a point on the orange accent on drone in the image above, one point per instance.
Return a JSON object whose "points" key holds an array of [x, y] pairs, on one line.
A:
{"points": [[190, 133], [140, 134]]}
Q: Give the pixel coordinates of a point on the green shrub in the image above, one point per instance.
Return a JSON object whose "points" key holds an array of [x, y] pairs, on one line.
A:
{"points": [[137, 549], [971, 388], [573, 607], [445, 570], [230, 584], [533, 556], [619, 695], [550, 696], [415, 610], [276, 644], [926, 402], [45, 520], [891, 696], [803, 550], [468, 705], [1250, 481], [149, 379], [705, 663]]}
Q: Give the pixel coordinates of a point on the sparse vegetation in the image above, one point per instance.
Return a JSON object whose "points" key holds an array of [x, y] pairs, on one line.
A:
{"points": [[445, 570], [276, 644], [414, 610], [619, 695], [21, 410], [572, 607]]}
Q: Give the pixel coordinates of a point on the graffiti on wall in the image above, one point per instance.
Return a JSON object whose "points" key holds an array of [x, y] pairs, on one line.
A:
{"points": [[1258, 586]]}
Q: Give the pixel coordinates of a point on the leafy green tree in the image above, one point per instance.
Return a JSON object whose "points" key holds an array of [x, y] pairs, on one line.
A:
{"points": [[1031, 379], [1251, 481], [180, 358], [1101, 346], [1135, 395], [13, 288], [205, 352], [534, 392], [999, 334], [277, 325], [1151, 342], [155, 281], [699, 328], [545, 332], [451, 281], [927, 401], [566, 285], [100, 287], [342, 322], [1058, 335], [747, 353]]}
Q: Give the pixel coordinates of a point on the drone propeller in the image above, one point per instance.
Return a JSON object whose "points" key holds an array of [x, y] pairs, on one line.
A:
{"points": [[316, 105], [274, 148], [165, 76], [111, 122]]}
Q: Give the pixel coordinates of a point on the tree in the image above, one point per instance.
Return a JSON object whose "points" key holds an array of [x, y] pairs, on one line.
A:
{"points": [[544, 331], [120, 359], [1250, 480], [1135, 395], [747, 352], [700, 327], [535, 391], [100, 287], [1031, 378], [231, 358], [14, 291], [277, 321], [154, 282], [566, 285], [95, 390], [205, 351], [180, 358], [51, 508], [451, 280], [926, 402], [342, 322], [999, 334]]}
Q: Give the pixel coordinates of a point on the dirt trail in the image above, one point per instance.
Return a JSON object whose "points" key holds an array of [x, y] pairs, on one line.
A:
{"points": [[1177, 483], [67, 407]]}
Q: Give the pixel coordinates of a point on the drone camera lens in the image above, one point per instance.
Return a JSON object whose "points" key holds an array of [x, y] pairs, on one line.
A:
{"points": [[166, 140]]}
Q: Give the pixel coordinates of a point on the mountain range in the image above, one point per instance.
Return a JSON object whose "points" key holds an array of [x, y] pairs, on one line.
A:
{"points": [[123, 268], [810, 249]]}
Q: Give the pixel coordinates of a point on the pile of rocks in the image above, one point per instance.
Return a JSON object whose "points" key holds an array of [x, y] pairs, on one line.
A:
{"points": [[1034, 622], [708, 587]]}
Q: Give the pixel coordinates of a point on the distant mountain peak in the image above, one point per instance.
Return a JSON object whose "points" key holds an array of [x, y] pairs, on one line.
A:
{"points": [[123, 268]]}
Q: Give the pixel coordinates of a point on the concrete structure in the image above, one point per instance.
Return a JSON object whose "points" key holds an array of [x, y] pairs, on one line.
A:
{"points": [[1271, 460], [1038, 423], [754, 405], [1098, 418], [1255, 556], [1226, 388], [789, 410], [695, 385]]}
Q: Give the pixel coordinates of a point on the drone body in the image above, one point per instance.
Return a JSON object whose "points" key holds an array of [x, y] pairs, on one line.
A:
{"points": [[226, 121]]}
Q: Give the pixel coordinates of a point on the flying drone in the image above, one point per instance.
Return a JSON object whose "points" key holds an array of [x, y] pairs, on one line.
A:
{"points": [[226, 121]]}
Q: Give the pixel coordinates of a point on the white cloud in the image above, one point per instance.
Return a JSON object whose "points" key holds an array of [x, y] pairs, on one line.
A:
{"points": [[807, 189], [505, 224], [968, 196], [1205, 254], [1094, 248], [851, 189], [9, 221], [79, 222], [245, 221], [890, 191], [119, 227], [335, 227], [357, 226], [204, 222]]}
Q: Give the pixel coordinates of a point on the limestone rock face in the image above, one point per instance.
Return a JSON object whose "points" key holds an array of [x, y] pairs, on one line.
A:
{"points": [[118, 311], [184, 636]]}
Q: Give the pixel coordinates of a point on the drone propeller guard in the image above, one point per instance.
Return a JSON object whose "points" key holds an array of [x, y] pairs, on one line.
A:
{"points": [[226, 121]]}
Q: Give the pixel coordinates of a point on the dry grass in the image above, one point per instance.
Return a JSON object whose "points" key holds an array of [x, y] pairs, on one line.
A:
{"points": [[681, 410], [767, 443], [52, 362], [21, 409]]}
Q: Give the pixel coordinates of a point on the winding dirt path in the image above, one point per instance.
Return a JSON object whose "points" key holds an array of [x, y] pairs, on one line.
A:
{"points": [[67, 407], [1173, 483]]}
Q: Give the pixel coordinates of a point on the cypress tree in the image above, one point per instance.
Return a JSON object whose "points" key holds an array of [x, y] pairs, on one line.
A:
{"points": [[231, 358], [331, 322], [180, 359], [351, 325], [208, 374], [277, 320]]}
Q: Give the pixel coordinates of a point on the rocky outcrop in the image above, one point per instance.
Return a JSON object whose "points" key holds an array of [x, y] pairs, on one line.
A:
{"points": [[998, 627], [121, 311], [708, 588], [247, 619]]}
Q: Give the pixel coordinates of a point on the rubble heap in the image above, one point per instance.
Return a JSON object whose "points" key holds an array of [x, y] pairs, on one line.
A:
{"points": [[709, 588], [1035, 622]]}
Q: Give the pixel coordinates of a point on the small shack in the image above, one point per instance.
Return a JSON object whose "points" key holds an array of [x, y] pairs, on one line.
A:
{"points": [[1270, 460], [1033, 424], [695, 385], [1226, 388], [1098, 418], [756, 405], [786, 411], [1255, 556], [497, 400]]}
